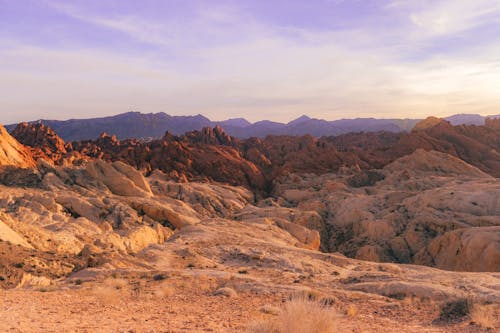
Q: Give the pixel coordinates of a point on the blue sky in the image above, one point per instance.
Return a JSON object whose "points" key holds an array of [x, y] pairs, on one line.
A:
{"points": [[256, 59]]}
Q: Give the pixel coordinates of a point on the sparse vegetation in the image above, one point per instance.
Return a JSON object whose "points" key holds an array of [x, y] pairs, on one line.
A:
{"points": [[299, 315], [163, 290], [111, 291], [226, 291], [159, 277], [455, 309], [269, 309], [352, 310], [484, 315]]}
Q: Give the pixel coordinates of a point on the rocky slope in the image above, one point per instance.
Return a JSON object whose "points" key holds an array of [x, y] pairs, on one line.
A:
{"points": [[426, 208], [12, 152], [477, 145]]}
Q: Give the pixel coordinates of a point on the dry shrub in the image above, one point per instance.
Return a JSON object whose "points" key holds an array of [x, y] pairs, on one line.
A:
{"points": [[299, 315], [226, 291], [307, 294], [352, 310], [117, 283], [455, 309], [163, 290], [483, 315], [205, 283], [48, 289], [306, 316], [269, 309], [264, 327], [111, 291]]}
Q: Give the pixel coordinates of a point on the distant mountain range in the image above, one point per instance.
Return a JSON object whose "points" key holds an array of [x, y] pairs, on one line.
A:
{"points": [[154, 125]]}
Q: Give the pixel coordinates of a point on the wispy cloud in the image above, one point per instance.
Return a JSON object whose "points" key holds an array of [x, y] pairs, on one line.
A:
{"points": [[227, 61], [445, 17]]}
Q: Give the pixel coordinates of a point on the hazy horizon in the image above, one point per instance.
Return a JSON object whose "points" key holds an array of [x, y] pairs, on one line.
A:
{"points": [[284, 121], [274, 60]]}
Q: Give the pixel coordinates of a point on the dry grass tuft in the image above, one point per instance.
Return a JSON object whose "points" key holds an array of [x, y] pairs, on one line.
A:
{"points": [[306, 316], [484, 315], [308, 294], [299, 315], [264, 327], [269, 309], [111, 291], [226, 291], [352, 310], [164, 290]]}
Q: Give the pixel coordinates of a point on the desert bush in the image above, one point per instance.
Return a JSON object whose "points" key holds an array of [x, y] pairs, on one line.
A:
{"points": [[226, 291], [163, 290], [455, 309], [306, 316], [299, 315], [111, 291], [159, 277]]}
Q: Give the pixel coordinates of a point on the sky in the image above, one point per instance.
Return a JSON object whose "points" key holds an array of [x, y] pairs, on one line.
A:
{"points": [[257, 59]]}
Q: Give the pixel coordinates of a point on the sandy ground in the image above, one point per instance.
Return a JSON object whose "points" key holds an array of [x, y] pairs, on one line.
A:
{"points": [[183, 304]]}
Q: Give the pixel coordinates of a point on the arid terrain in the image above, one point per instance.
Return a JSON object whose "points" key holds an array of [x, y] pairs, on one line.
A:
{"points": [[203, 232]]}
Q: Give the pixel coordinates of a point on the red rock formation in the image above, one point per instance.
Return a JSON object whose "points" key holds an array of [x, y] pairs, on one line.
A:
{"points": [[211, 154], [493, 123], [207, 135], [477, 145], [44, 141], [12, 153]]}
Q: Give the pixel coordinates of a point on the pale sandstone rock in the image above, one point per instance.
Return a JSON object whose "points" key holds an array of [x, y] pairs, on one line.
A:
{"points": [[9, 235], [13, 153], [141, 237], [119, 178], [472, 249], [179, 214], [309, 238]]}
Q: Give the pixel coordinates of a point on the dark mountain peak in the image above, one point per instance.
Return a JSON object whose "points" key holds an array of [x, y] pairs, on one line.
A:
{"points": [[150, 126], [299, 120], [467, 119], [234, 122]]}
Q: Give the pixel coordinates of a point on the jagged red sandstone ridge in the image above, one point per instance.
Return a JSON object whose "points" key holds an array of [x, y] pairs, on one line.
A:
{"points": [[44, 141], [477, 145], [362, 160], [211, 154]]}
